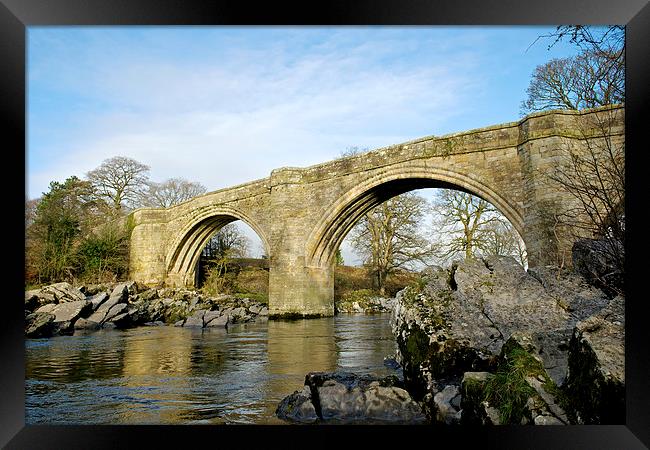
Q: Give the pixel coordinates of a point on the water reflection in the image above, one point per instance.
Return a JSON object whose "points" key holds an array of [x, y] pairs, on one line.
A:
{"points": [[172, 375]]}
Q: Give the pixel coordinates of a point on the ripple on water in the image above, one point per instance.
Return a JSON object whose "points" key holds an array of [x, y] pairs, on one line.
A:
{"points": [[173, 375]]}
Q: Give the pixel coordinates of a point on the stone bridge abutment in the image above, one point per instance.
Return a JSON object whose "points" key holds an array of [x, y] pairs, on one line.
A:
{"points": [[303, 214]]}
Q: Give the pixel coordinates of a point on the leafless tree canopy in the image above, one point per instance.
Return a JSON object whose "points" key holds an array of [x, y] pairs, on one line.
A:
{"points": [[466, 226], [228, 242], [120, 181], [170, 192], [595, 77], [596, 179], [388, 237]]}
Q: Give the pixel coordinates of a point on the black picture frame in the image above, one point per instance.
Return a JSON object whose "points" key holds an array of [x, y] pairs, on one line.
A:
{"points": [[16, 15]]}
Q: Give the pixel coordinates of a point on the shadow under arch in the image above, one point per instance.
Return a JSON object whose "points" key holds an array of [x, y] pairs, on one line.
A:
{"points": [[337, 222], [185, 249]]}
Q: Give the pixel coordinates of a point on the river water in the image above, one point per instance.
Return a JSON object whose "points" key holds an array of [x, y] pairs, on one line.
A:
{"points": [[172, 375]]}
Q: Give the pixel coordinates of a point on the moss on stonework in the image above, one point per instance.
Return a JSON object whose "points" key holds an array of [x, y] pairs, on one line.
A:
{"points": [[417, 347]]}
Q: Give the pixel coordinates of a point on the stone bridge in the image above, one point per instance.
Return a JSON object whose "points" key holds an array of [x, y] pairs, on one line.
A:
{"points": [[303, 214]]}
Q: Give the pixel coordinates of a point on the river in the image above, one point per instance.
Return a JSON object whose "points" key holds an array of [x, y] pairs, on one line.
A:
{"points": [[172, 375]]}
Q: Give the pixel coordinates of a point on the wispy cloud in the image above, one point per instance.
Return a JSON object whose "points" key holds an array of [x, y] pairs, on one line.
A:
{"points": [[235, 116]]}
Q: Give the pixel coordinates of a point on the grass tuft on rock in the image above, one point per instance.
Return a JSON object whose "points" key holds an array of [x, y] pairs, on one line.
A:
{"points": [[508, 390]]}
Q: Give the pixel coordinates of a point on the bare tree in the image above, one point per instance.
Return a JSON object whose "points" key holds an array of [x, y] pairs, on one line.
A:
{"points": [[594, 176], [352, 151], [120, 181], [170, 192], [500, 238], [388, 237], [606, 40], [461, 222], [228, 242], [595, 77], [30, 211]]}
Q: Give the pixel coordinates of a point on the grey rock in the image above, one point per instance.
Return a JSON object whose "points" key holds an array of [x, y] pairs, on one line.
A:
{"points": [[462, 317], [298, 407], [31, 301], [63, 292], [210, 315], [196, 319], [46, 308], [348, 398], [596, 377], [131, 287], [98, 299], [264, 311], [109, 309], [114, 311], [217, 322], [447, 404], [596, 260], [39, 325], [238, 312], [67, 313], [85, 324], [547, 420], [120, 294]]}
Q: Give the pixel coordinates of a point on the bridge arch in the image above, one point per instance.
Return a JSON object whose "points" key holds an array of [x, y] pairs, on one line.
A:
{"points": [[339, 219], [186, 246]]}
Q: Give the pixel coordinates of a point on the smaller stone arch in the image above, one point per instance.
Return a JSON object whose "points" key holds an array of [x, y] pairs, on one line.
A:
{"points": [[339, 219], [185, 248]]}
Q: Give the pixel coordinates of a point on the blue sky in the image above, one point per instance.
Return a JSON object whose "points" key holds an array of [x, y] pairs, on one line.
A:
{"points": [[226, 105]]}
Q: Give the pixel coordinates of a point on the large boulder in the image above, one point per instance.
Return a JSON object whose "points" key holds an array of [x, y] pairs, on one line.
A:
{"points": [[458, 320], [596, 379], [64, 292], [31, 300], [98, 299], [341, 397], [54, 293], [599, 261], [109, 308], [195, 320], [39, 325], [66, 314]]}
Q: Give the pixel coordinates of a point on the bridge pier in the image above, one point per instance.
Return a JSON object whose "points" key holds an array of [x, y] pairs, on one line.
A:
{"points": [[299, 291]]}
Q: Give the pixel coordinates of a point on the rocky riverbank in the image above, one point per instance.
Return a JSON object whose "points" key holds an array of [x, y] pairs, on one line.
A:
{"points": [[61, 309], [347, 398], [363, 301], [487, 342]]}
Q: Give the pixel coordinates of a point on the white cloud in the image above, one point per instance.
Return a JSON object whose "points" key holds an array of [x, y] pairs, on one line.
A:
{"points": [[227, 121]]}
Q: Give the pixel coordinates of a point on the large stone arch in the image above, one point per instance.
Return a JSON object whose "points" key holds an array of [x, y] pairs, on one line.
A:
{"points": [[339, 219], [185, 247]]}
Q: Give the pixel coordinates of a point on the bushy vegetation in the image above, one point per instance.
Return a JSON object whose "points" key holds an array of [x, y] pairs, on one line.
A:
{"points": [[79, 230], [224, 277], [348, 279]]}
